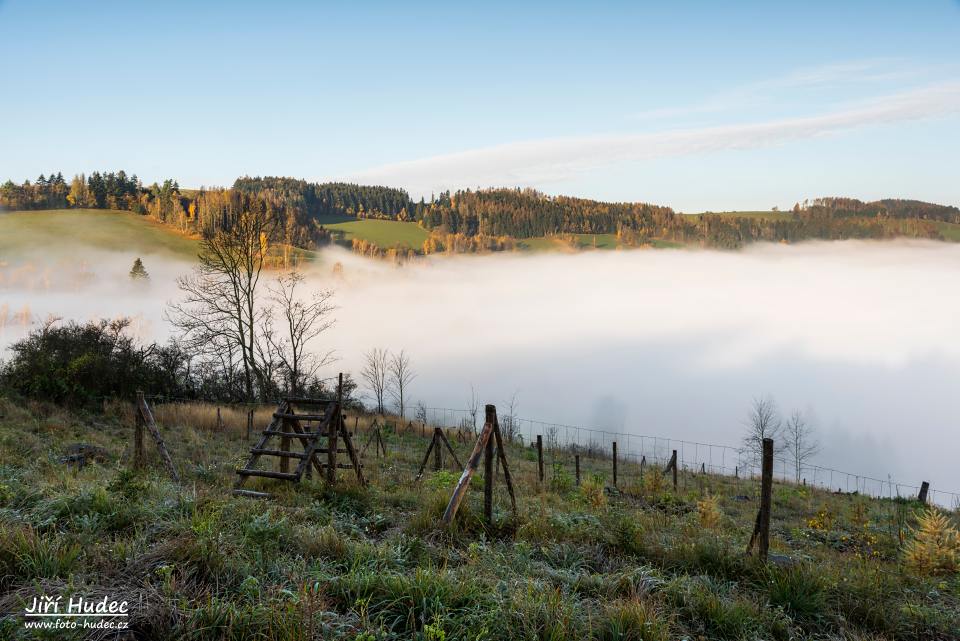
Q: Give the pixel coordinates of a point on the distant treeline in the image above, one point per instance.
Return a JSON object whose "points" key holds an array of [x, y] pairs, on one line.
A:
{"points": [[469, 220]]}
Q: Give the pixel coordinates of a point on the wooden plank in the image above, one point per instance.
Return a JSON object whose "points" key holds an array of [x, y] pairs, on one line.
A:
{"points": [[270, 474], [301, 417], [253, 494], [303, 436], [297, 400], [281, 453], [472, 462]]}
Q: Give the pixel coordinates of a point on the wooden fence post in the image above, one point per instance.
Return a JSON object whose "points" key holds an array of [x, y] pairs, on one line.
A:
{"points": [[673, 460], [332, 430], [614, 464], [540, 458], [576, 462], [249, 422], [219, 421], [924, 488], [488, 481], [761, 530], [472, 463], [437, 454], [138, 458]]}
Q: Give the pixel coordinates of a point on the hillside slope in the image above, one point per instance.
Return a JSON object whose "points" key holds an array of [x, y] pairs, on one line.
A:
{"points": [[642, 562]]}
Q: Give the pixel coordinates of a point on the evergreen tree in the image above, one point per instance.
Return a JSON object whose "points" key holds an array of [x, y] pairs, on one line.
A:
{"points": [[138, 271]]}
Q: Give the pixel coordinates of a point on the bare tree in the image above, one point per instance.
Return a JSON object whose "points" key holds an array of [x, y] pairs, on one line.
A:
{"points": [[302, 320], [801, 440], [401, 375], [375, 370], [221, 309], [763, 421], [508, 423], [474, 407]]}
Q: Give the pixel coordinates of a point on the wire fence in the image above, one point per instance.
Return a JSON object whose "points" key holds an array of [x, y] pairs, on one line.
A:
{"points": [[692, 456], [655, 450]]}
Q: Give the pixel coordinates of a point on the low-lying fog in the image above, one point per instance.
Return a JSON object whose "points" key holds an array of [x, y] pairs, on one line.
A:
{"points": [[861, 335]]}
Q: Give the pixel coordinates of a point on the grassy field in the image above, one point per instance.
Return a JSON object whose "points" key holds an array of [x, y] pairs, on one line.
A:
{"points": [[644, 561], [950, 231], [65, 229], [384, 233]]}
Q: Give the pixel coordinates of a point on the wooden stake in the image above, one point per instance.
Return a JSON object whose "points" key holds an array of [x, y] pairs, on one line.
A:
{"points": [[334, 426], [147, 416], [761, 529], [614, 464], [249, 423], [540, 458], [488, 481], [472, 463], [924, 488], [503, 460], [673, 462], [576, 464], [437, 453], [138, 455]]}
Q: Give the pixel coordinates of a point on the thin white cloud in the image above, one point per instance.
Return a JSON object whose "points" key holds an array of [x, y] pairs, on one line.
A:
{"points": [[791, 85], [538, 162]]}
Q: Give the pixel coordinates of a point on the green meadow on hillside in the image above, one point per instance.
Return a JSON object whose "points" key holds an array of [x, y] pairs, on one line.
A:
{"points": [[64, 229], [384, 233]]}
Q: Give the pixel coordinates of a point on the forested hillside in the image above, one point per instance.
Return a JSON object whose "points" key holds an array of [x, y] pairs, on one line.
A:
{"points": [[469, 220]]}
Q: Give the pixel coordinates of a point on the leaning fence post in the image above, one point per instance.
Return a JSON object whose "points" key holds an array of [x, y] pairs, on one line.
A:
{"points": [[540, 457], [614, 464], [761, 530], [924, 488], [576, 462]]}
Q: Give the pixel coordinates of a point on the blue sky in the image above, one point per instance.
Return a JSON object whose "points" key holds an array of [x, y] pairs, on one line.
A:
{"points": [[695, 105]]}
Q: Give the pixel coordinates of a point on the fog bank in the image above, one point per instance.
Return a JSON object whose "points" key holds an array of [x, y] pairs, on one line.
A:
{"points": [[668, 343]]}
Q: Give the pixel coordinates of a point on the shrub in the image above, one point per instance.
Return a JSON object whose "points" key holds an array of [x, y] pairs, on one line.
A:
{"points": [[80, 364], [592, 491], [935, 547], [708, 509]]}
